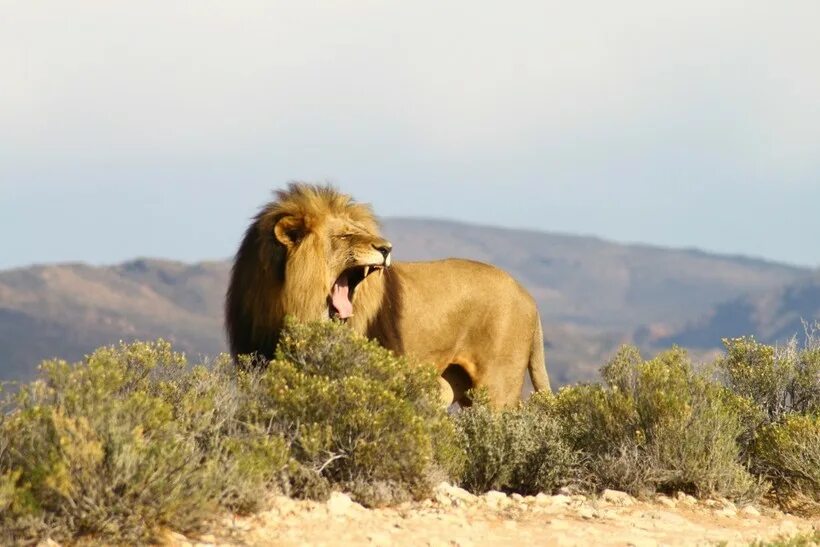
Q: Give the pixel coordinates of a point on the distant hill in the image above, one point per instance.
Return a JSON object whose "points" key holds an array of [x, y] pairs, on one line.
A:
{"points": [[772, 316], [593, 294]]}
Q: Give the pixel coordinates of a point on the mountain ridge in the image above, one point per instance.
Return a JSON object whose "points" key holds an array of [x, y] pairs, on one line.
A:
{"points": [[593, 294]]}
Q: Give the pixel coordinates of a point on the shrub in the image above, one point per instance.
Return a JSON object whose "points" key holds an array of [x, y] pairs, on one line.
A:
{"points": [[788, 454], [657, 425], [780, 392], [356, 416], [131, 440], [517, 449], [778, 380]]}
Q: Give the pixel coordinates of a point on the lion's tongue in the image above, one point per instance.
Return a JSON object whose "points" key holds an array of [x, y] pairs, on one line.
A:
{"points": [[340, 297]]}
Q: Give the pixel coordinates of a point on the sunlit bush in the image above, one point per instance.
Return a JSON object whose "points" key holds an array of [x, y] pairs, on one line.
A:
{"points": [[128, 441], [787, 452], [657, 425], [519, 449], [356, 416]]}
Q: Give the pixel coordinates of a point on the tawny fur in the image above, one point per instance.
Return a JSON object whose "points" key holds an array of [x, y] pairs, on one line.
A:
{"points": [[451, 313]]}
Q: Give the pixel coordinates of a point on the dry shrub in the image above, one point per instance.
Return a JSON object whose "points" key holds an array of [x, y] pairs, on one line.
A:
{"points": [[657, 425], [128, 441], [519, 449]]}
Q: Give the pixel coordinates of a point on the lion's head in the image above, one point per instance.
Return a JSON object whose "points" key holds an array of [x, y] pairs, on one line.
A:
{"points": [[312, 253]]}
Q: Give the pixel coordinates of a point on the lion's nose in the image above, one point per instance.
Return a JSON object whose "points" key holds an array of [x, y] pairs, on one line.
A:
{"points": [[384, 248]]}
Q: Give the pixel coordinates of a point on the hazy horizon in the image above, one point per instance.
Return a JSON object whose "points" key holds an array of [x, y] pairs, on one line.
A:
{"points": [[158, 129]]}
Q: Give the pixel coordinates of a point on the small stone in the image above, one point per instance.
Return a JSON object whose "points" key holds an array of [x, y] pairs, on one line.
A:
{"points": [[446, 494], [51, 543], [543, 499], [339, 504], [172, 538], [616, 497], [666, 502], [207, 538], [560, 499], [727, 512], [579, 498], [518, 498], [750, 511], [496, 499], [586, 513], [686, 499], [566, 491]]}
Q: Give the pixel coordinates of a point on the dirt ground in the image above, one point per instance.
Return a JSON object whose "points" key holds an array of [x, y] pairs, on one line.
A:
{"points": [[456, 518]]}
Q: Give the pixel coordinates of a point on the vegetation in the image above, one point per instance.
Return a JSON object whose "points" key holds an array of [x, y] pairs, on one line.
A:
{"points": [[520, 449], [136, 438], [781, 386], [355, 416], [127, 441]]}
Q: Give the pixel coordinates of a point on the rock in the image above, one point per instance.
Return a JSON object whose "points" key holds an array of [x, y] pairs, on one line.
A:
{"points": [[586, 513], [446, 494], [518, 498], [616, 497], [666, 502], [542, 499], [727, 512], [750, 511], [207, 538], [686, 499], [495, 499], [560, 499], [339, 504], [171, 538]]}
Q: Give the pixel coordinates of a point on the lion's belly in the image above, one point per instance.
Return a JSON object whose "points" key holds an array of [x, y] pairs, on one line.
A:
{"points": [[468, 314]]}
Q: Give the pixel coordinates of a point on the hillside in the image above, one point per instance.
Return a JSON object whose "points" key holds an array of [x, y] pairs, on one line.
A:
{"points": [[593, 294], [773, 316]]}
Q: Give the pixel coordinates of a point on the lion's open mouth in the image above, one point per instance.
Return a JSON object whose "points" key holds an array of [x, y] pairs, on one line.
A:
{"points": [[340, 301]]}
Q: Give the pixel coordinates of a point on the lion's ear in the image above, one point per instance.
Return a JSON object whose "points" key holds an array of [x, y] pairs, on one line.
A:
{"points": [[289, 230]]}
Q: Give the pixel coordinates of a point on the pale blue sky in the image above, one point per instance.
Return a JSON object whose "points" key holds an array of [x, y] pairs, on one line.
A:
{"points": [[158, 128]]}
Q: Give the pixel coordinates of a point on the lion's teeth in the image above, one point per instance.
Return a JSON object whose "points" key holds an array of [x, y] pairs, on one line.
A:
{"points": [[366, 270]]}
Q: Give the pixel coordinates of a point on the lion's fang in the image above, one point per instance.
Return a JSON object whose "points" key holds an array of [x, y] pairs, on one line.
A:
{"points": [[366, 270]]}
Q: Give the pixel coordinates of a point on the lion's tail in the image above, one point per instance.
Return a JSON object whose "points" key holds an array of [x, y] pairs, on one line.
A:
{"points": [[538, 365]]}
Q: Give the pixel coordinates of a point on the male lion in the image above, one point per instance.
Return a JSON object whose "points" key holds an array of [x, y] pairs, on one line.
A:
{"points": [[314, 253]]}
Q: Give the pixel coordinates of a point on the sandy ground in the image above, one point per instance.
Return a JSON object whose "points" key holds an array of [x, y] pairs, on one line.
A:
{"points": [[457, 518]]}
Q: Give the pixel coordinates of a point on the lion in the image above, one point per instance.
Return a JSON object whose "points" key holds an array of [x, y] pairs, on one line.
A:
{"points": [[316, 254]]}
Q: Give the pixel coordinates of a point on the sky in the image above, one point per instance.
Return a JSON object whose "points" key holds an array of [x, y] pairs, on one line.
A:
{"points": [[158, 128]]}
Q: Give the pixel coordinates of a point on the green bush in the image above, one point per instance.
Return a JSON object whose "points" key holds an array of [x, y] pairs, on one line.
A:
{"points": [[778, 380], [780, 392], [787, 452], [356, 416], [131, 440], [657, 425], [518, 449]]}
